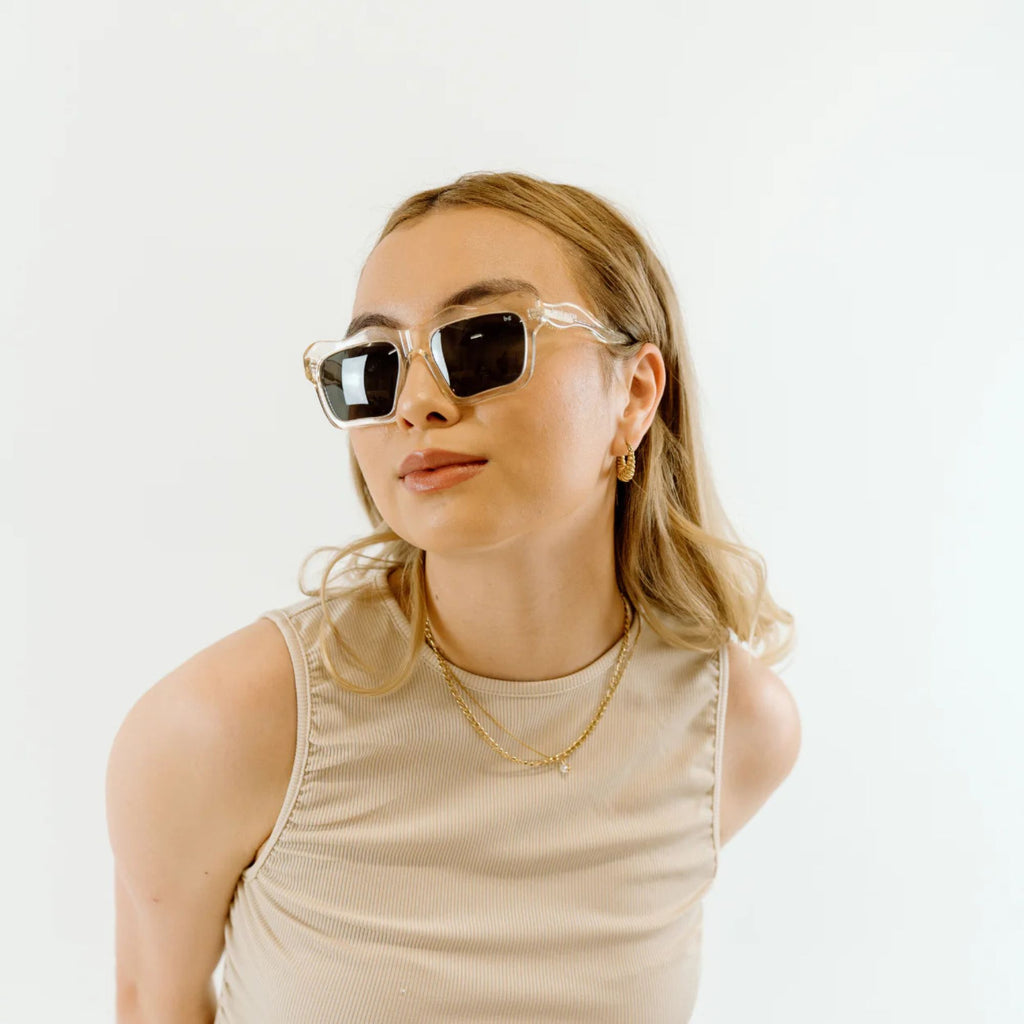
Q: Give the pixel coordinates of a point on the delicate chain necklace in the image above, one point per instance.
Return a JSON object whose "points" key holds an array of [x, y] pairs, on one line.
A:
{"points": [[625, 652]]}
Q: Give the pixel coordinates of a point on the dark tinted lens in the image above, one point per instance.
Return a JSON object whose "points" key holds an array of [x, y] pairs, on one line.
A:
{"points": [[361, 381], [480, 353]]}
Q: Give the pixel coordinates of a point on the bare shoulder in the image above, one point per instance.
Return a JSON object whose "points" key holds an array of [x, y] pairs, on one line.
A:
{"points": [[245, 683], [235, 701], [196, 776], [761, 742]]}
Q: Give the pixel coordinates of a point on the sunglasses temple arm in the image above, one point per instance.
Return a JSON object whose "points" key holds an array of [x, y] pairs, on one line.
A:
{"points": [[563, 318]]}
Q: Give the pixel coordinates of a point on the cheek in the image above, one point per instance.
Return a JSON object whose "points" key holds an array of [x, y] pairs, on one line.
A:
{"points": [[563, 438], [369, 455]]}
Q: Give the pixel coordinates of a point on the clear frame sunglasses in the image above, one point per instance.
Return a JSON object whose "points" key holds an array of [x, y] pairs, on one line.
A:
{"points": [[474, 353]]}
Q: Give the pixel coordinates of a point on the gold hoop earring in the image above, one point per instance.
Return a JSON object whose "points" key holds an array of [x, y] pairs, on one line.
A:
{"points": [[625, 465]]}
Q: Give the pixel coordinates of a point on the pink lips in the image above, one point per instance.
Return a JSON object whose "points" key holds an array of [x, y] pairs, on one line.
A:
{"points": [[435, 469], [435, 458]]}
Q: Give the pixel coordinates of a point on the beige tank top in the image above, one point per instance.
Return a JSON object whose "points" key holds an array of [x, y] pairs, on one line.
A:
{"points": [[415, 875]]}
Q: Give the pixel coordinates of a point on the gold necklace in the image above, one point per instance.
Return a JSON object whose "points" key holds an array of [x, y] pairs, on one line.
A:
{"points": [[625, 652]]}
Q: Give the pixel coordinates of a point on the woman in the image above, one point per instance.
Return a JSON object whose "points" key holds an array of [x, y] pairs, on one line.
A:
{"points": [[490, 777]]}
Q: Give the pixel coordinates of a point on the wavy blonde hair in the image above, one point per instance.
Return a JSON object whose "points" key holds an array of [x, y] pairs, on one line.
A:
{"points": [[678, 559]]}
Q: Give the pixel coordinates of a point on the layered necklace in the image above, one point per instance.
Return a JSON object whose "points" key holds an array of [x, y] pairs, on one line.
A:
{"points": [[455, 686]]}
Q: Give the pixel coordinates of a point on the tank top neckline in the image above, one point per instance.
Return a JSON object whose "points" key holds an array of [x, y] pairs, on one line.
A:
{"points": [[598, 670]]}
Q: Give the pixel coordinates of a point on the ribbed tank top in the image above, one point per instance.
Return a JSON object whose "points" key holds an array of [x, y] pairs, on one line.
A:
{"points": [[415, 875]]}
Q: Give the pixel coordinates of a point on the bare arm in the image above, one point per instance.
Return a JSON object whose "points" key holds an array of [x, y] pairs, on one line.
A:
{"points": [[762, 739], [195, 777]]}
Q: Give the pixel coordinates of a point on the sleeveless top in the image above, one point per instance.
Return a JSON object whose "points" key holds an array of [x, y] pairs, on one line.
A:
{"points": [[415, 875]]}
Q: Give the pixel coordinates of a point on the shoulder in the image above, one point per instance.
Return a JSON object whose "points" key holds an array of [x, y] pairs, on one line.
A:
{"points": [[762, 738], [247, 673], [229, 711], [195, 777], [247, 683], [353, 607]]}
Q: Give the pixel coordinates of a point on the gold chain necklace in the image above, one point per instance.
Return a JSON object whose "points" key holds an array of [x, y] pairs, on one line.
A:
{"points": [[625, 652]]}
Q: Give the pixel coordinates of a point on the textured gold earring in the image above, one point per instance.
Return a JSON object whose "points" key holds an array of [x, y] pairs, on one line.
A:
{"points": [[625, 465]]}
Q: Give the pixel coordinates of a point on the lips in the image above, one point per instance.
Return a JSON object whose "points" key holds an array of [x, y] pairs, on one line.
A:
{"points": [[435, 458]]}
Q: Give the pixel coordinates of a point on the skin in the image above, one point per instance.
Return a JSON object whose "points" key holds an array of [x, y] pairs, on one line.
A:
{"points": [[520, 564]]}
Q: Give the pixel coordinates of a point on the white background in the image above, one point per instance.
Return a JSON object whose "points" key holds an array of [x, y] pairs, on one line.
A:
{"points": [[189, 191]]}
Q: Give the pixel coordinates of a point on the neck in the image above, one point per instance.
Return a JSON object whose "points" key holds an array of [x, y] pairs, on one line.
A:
{"points": [[519, 614]]}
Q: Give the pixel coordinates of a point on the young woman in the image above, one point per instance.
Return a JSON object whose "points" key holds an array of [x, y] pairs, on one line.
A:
{"points": [[490, 777]]}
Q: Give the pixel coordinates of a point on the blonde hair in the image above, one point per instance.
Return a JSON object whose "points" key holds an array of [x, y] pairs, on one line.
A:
{"points": [[678, 559]]}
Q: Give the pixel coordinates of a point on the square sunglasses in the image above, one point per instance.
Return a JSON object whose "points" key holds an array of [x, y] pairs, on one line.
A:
{"points": [[474, 353]]}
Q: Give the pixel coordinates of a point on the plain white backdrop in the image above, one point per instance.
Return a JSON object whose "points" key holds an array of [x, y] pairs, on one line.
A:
{"points": [[189, 191]]}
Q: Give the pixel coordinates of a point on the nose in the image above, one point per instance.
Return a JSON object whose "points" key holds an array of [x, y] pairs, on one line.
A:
{"points": [[421, 402]]}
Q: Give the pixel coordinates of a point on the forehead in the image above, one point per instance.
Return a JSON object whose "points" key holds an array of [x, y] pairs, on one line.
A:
{"points": [[413, 269]]}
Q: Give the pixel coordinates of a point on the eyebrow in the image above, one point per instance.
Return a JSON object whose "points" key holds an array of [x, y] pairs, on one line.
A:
{"points": [[465, 296]]}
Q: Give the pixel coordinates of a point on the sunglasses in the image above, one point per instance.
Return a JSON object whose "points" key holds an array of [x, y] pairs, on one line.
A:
{"points": [[473, 352]]}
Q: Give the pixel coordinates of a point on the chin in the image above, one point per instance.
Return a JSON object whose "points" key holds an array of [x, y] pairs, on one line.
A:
{"points": [[450, 535]]}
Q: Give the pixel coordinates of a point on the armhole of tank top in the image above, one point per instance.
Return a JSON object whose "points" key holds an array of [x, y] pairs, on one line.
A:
{"points": [[721, 699], [302, 718]]}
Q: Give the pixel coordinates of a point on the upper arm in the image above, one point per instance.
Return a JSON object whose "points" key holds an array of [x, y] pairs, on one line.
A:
{"points": [[192, 779], [761, 742]]}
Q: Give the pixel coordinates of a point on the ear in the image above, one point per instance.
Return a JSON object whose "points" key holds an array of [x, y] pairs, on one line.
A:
{"points": [[644, 380]]}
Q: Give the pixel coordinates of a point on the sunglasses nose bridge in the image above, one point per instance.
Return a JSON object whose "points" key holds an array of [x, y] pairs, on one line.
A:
{"points": [[425, 353], [434, 372], [416, 342]]}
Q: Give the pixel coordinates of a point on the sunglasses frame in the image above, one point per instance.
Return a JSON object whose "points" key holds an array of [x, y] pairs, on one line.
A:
{"points": [[534, 314]]}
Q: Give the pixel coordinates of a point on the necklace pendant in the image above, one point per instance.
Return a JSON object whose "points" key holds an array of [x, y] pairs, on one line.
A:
{"points": [[563, 767]]}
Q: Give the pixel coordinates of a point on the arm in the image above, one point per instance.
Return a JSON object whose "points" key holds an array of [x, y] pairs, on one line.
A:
{"points": [[761, 743], [195, 777]]}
